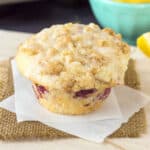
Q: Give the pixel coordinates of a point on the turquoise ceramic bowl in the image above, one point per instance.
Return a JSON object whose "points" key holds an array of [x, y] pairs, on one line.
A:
{"points": [[131, 20]]}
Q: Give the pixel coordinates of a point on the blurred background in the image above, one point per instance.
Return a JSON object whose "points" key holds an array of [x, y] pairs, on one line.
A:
{"points": [[129, 19], [33, 15]]}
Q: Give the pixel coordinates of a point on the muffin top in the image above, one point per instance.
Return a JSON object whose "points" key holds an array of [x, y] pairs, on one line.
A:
{"points": [[72, 57]]}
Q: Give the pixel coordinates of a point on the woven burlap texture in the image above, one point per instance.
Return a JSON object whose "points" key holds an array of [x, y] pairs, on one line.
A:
{"points": [[11, 130]]}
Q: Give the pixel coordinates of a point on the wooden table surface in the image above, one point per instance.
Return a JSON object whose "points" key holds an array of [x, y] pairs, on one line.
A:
{"points": [[8, 45]]}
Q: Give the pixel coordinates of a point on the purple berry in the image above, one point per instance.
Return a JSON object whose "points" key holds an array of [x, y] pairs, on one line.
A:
{"points": [[41, 89], [103, 95], [84, 93]]}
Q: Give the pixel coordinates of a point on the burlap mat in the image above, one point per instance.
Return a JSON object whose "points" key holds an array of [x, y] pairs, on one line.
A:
{"points": [[11, 130]]}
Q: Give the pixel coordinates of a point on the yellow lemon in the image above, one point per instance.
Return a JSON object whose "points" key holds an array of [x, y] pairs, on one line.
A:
{"points": [[143, 42], [134, 1]]}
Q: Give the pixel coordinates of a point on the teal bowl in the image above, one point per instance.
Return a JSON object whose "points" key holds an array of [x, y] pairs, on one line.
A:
{"points": [[131, 20]]}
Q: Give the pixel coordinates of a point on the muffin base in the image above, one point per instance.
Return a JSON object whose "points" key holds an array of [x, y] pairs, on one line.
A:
{"points": [[70, 109], [65, 103]]}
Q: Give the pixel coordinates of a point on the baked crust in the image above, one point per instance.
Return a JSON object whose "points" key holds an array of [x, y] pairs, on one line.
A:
{"points": [[73, 57]]}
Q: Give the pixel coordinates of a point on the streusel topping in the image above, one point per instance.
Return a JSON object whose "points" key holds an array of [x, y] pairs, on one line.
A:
{"points": [[75, 56]]}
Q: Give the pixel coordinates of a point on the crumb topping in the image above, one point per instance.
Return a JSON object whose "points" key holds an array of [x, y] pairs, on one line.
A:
{"points": [[76, 56]]}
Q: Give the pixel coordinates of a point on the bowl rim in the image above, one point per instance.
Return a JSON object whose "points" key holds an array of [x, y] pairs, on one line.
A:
{"points": [[133, 5]]}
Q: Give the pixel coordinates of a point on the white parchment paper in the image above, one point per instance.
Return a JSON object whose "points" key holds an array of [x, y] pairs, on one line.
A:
{"points": [[98, 130], [128, 99]]}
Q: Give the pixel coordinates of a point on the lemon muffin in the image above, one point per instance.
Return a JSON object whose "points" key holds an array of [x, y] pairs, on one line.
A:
{"points": [[73, 66]]}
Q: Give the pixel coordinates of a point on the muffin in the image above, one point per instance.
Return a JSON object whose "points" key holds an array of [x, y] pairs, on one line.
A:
{"points": [[73, 66]]}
